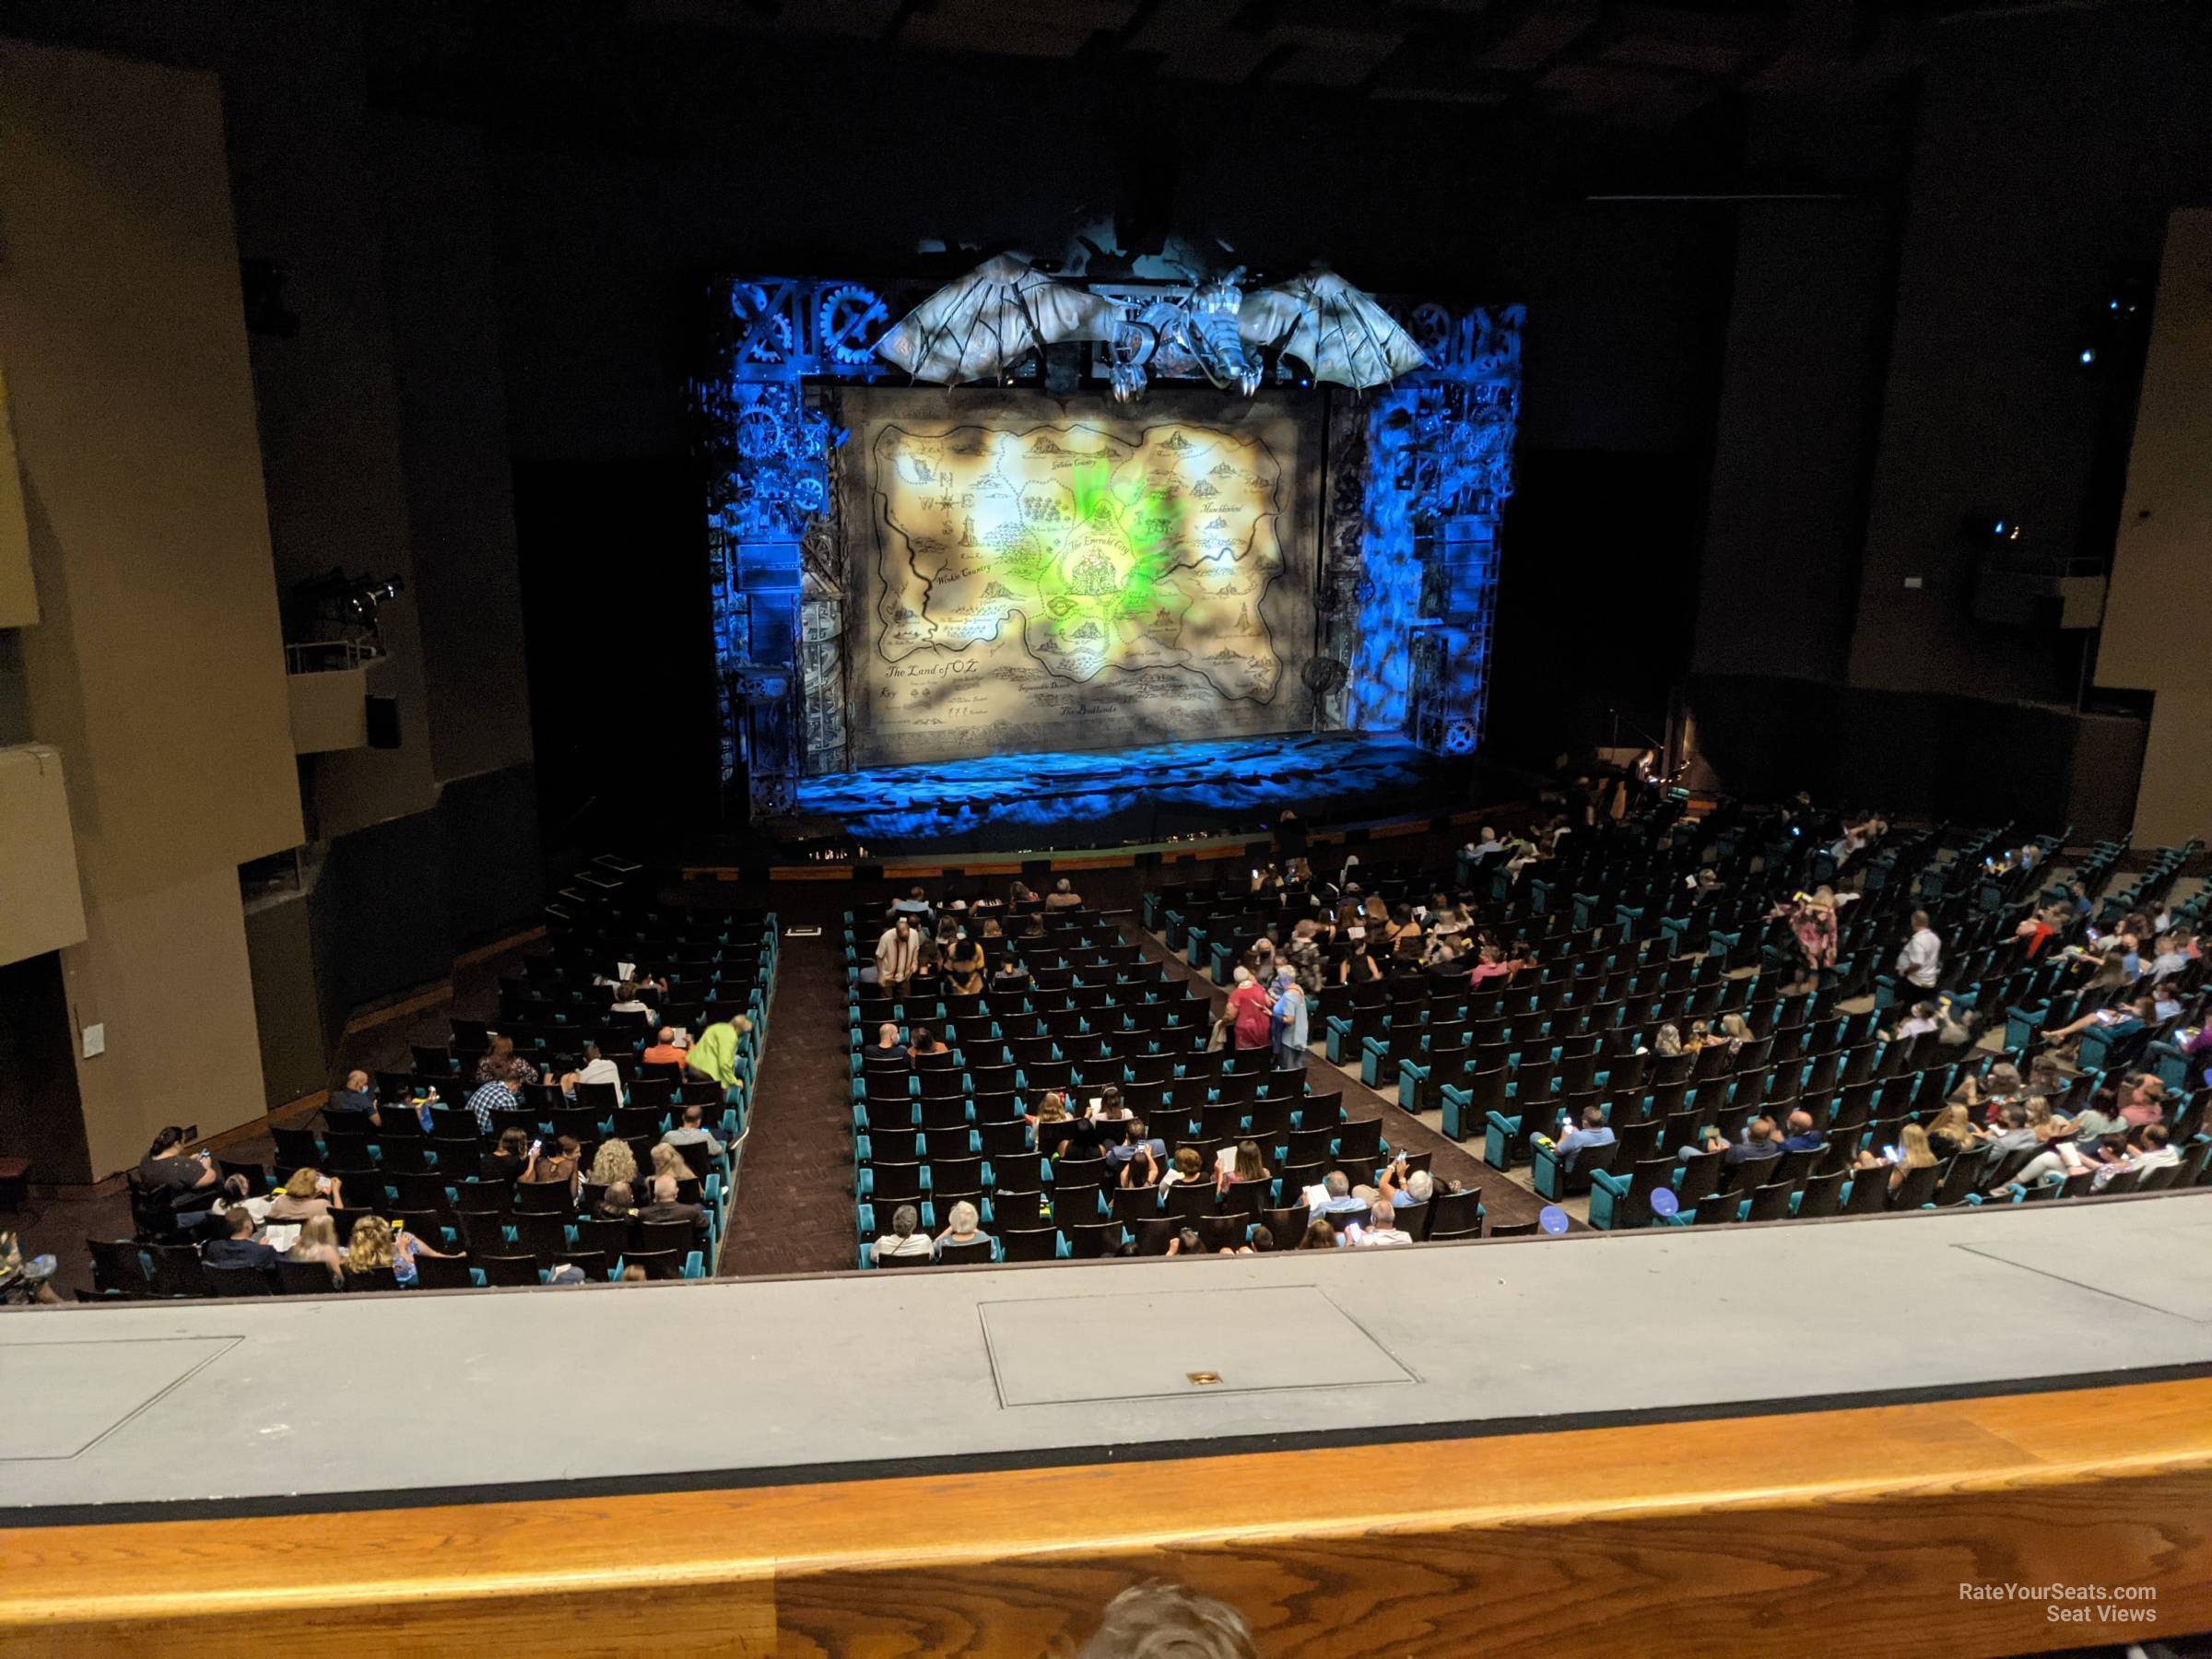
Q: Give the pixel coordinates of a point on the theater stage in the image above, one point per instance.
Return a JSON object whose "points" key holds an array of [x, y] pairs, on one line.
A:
{"points": [[1070, 798]]}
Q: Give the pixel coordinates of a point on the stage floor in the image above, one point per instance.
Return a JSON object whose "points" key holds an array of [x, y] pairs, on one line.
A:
{"points": [[1064, 799]]}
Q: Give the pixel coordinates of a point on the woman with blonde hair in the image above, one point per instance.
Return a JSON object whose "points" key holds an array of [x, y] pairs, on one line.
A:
{"points": [[377, 1243], [1667, 1043], [318, 1241], [1734, 1032], [306, 1193], [668, 1161], [613, 1162], [372, 1248], [1913, 1153], [1951, 1131]]}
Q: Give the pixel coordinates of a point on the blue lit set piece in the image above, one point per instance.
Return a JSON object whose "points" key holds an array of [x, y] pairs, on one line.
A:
{"points": [[1420, 458]]}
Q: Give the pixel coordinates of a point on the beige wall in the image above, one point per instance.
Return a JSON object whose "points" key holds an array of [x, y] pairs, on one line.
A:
{"points": [[18, 597], [2161, 600], [41, 904], [157, 667]]}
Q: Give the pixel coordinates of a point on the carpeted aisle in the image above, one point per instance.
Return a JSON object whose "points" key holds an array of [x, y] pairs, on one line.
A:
{"points": [[792, 1212]]}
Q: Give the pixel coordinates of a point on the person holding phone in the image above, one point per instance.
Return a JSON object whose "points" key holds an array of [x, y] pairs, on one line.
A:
{"points": [[1912, 1152]]}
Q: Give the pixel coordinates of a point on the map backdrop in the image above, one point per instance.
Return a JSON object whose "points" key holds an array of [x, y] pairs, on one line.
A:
{"points": [[1026, 572]]}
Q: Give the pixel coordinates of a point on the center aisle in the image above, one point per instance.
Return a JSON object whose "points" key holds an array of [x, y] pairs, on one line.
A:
{"points": [[794, 1207]]}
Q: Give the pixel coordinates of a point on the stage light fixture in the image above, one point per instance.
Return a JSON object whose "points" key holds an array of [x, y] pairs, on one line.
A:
{"points": [[2088, 357]]}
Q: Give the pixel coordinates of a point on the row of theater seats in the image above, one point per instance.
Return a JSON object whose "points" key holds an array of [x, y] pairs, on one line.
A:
{"points": [[940, 1130], [1509, 1062], [427, 1164]]}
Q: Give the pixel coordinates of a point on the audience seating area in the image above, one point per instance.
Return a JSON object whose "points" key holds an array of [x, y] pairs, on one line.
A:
{"points": [[427, 1163], [937, 1130], [1626, 938]]}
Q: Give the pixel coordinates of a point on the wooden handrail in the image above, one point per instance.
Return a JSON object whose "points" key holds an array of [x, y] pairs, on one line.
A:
{"points": [[1835, 1532]]}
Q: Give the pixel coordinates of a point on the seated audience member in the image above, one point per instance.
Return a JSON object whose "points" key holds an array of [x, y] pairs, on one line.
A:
{"points": [[1380, 1229], [1063, 896], [561, 1164], [501, 1062], [634, 1273], [1593, 1131], [1666, 1042], [1188, 1165], [1319, 1235], [498, 1095], [1011, 979], [2152, 1150], [619, 1201], [2118, 1022], [667, 1051], [693, 1128], [1402, 937], [668, 1161], [1951, 1131], [306, 1192], [2101, 1120], [236, 1192], [1247, 1167], [377, 1243], [1761, 1140], [318, 1241], [357, 1098], [665, 1207], [1920, 1020], [2039, 927], [903, 1239], [507, 1160], [2143, 1100], [1141, 1165], [1914, 1152], [714, 1055], [238, 1247], [1801, 1136], [2014, 1135], [964, 965], [598, 1068], [960, 1227], [630, 1005], [886, 1047], [927, 1045], [915, 904], [185, 1181], [2173, 956], [1059, 1134], [1403, 1189], [612, 1162], [1333, 1197], [1360, 967]]}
